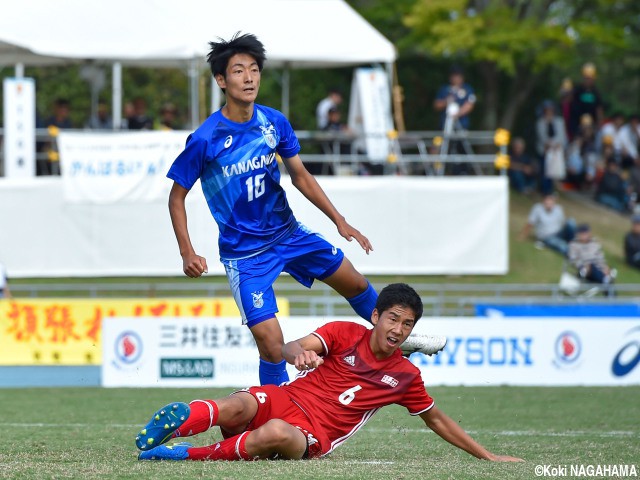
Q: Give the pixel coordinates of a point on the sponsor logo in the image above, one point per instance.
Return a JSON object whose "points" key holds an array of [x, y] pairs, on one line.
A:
{"points": [[128, 347], [389, 380], [334, 251], [476, 351], [269, 135], [567, 349], [186, 368], [351, 360], [228, 141], [258, 301], [628, 356]]}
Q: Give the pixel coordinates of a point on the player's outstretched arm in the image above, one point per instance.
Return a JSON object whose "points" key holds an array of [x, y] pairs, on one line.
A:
{"points": [[304, 352], [309, 187], [444, 426], [193, 265]]}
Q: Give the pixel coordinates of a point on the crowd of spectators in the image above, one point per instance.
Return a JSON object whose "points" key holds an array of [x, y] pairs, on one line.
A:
{"points": [[581, 147]]}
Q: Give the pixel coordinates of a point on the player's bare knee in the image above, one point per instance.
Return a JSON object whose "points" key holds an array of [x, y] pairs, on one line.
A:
{"points": [[282, 437]]}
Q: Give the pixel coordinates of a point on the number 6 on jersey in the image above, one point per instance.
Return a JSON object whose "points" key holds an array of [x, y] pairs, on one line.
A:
{"points": [[347, 396], [255, 186]]}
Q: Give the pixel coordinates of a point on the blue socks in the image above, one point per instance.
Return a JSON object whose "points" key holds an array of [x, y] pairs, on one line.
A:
{"points": [[273, 373], [365, 302]]}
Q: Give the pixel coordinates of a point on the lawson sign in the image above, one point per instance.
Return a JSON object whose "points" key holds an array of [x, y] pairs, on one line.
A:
{"points": [[220, 352]]}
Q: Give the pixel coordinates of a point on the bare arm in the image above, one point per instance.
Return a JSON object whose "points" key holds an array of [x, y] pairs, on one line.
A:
{"points": [[193, 265], [309, 187], [449, 430], [466, 108], [304, 352]]}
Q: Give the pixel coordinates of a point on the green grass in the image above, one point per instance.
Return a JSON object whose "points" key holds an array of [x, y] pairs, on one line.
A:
{"points": [[87, 433]]}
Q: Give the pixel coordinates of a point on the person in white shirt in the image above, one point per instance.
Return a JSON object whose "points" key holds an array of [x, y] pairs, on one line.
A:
{"points": [[333, 100], [551, 228]]}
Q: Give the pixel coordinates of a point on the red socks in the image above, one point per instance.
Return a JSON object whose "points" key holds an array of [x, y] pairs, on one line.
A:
{"points": [[203, 416], [230, 449]]}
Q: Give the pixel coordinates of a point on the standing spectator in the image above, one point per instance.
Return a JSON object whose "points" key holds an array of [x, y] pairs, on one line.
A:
{"points": [[582, 155], [612, 190], [4, 283], [332, 100], [457, 93], [140, 120], [522, 170], [617, 133], [60, 119], [585, 254], [551, 228], [566, 97], [101, 120], [551, 143], [628, 137], [586, 99], [632, 243], [168, 117]]}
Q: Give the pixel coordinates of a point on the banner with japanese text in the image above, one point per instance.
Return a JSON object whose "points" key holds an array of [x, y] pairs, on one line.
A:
{"points": [[69, 331], [105, 168]]}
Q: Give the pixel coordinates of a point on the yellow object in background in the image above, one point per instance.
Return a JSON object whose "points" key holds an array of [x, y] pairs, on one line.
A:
{"points": [[502, 137], [69, 332]]}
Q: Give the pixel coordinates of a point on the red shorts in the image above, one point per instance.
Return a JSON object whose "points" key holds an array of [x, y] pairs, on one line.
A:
{"points": [[274, 402]]}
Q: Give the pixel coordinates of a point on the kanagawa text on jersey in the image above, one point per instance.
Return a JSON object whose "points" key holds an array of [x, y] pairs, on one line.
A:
{"points": [[245, 166]]}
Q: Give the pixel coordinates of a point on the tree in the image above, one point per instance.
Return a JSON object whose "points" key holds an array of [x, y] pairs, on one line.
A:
{"points": [[522, 40]]}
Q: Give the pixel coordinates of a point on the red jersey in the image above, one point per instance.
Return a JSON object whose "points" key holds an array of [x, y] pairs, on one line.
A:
{"points": [[343, 393]]}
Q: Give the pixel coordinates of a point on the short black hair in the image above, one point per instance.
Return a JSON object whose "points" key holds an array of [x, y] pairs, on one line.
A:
{"points": [[399, 294], [222, 51]]}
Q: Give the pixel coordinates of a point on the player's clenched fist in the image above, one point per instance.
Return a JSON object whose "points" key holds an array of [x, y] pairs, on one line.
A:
{"points": [[194, 265], [307, 360]]}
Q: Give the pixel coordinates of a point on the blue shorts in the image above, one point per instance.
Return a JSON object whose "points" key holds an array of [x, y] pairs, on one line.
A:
{"points": [[305, 255]]}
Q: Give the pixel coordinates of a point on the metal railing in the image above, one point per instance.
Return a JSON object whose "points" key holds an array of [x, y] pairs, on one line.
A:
{"points": [[439, 299]]}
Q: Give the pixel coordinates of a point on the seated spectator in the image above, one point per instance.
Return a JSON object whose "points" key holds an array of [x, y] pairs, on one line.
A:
{"points": [[634, 186], [632, 243], [334, 121], [60, 117], [522, 169], [582, 156], [616, 131], [140, 120], [612, 190], [585, 254], [551, 229], [168, 117], [101, 120]]}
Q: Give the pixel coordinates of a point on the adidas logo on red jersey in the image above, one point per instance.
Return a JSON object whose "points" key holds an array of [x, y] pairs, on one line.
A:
{"points": [[351, 360]]}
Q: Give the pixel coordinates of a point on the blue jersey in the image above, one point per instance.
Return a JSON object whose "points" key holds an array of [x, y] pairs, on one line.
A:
{"points": [[237, 167], [461, 95]]}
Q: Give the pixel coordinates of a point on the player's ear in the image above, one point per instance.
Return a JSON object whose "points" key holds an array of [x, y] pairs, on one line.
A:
{"points": [[374, 316], [221, 81]]}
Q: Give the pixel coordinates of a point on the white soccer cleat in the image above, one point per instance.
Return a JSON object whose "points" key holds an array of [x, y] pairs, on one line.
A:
{"points": [[427, 344]]}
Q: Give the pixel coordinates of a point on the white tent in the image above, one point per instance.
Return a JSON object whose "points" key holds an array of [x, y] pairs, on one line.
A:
{"points": [[296, 33]]}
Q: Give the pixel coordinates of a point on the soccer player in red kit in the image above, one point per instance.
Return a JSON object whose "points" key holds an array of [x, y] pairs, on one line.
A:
{"points": [[348, 372]]}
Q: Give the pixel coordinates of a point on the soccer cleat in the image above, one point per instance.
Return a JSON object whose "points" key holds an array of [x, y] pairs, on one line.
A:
{"points": [[179, 451], [427, 344], [162, 425]]}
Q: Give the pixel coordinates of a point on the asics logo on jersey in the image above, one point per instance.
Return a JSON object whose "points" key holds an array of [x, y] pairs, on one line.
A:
{"points": [[269, 135], [245, 166], [334, 251], [350, 359], [228, 141], [258, 301], [389, 380]]}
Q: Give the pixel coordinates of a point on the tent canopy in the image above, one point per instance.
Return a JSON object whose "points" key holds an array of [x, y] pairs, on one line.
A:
{"points": [[296, 33]]}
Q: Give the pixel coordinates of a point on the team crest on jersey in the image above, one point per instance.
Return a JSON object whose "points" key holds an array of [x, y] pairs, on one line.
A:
{"points": [[389, 380], [269, 134], [258, 301], [350, 359]]}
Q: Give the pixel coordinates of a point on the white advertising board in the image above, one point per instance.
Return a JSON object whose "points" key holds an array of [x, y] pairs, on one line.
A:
{"points": [[126, 167], [19, 127], [219, 352]]}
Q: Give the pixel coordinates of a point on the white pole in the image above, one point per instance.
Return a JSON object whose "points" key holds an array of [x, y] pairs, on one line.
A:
{"points": [[19, 70], [286, 81], [194, 94], [116, 105], [216, 95]]}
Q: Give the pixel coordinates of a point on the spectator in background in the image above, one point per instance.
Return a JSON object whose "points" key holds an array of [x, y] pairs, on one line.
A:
{"points": [[628, 142], [632, 243], [566, 97], [456, 93], [613, 190], [140, 120], [332, 100], [616, 133], [583, 156], [50, 165], [522, 169], [634, 187], [168, 117], [551, 143], [585, 254], [586, 99], [551, 228], [4, 283], [60, 117], [101, 120]]}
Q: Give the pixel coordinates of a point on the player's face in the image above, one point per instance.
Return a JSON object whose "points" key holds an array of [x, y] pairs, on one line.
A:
{"points": [[242, 79], [392, 327]]}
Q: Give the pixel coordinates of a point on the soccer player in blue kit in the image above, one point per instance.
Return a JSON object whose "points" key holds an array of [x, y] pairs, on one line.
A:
{"points": [[233, 153]]}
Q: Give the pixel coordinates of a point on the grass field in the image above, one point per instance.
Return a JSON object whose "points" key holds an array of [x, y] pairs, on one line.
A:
{"points": [[87, 433]]}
